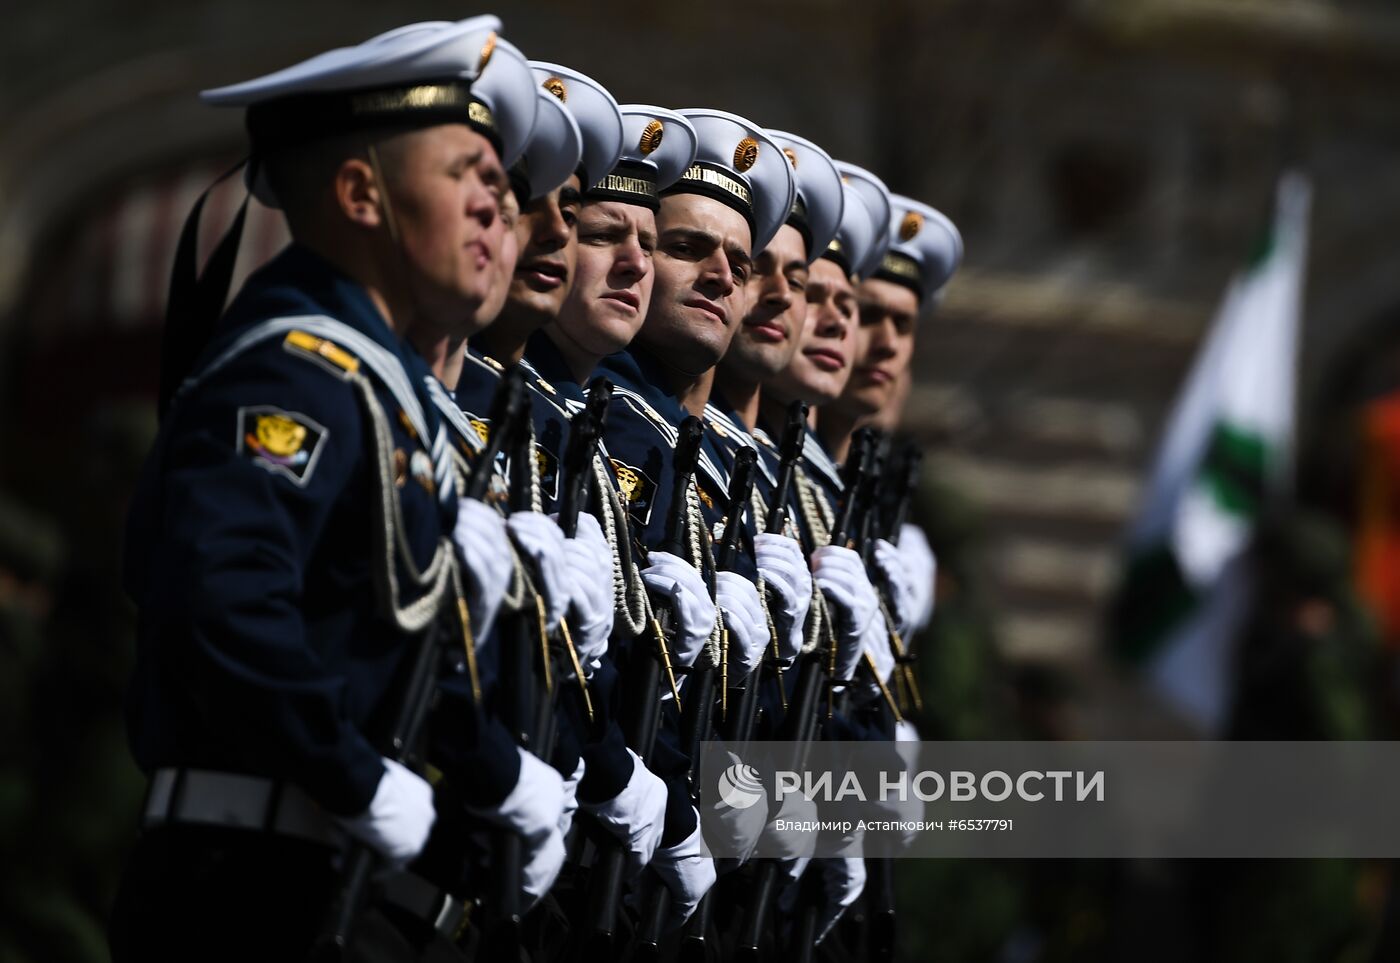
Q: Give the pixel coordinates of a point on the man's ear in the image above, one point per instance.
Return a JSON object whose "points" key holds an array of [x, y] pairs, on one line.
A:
{"points": [[357, 194]]}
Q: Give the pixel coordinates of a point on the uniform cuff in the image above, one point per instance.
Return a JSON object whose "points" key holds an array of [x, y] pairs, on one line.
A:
{"points": [[607, 767]]}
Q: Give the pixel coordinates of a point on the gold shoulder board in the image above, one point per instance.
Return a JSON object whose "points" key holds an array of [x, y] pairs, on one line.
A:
{"points": [[319, 348]]}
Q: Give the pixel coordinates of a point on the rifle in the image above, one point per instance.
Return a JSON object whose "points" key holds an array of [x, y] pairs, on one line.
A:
{"points": [[507, 409], [415, 701], [859, 471], [864, 529], [644, 682], [815, 669], [894, 518], [697, 720], [853, 529], [790, 451], [794, 435], [585, 428], [880, 872], [516, 691], [909, 481]]}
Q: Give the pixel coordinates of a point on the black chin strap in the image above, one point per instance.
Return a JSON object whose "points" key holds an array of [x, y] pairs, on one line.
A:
{"points": [[196, 301]]}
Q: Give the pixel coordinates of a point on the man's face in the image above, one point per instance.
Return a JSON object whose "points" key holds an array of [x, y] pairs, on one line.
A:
{"points": [[446, 185], [702, 265], [547, 235], [613, 277], [826, 346], [777, 293], [884, 344], [503, 268]]}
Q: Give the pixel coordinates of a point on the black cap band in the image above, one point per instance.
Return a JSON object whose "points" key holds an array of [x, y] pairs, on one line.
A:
{"points": [[519, 177], [836, 251], [899, 268], [797, 218], [718, 183], [630, 182], [303, 118]]}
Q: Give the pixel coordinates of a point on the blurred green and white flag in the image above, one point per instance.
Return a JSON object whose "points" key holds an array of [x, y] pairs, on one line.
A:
{"points": [[1227, 452]]}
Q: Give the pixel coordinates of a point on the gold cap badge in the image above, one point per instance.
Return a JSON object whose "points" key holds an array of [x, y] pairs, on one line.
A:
{"points": [[911, 225], [746, 154], [487, 49], [556, 87], [651, 137], [791, 156]]}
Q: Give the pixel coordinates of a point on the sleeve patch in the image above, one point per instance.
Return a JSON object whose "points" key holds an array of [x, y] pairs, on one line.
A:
{"points": [[549, 472], [284, 442], [482, 427], [638, 490]]}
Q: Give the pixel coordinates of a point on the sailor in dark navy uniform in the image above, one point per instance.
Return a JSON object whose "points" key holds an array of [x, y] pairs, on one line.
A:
{"points": [[609, 286], [611, 783], [727, 205], [923, 251], [762, 347], [292, 533], [821, 361], [545, 183], [847, 603]]}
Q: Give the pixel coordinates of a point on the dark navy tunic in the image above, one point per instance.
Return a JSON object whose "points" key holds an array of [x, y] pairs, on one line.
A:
{"points": [[607, 765], [251, 556], [641, 432]]}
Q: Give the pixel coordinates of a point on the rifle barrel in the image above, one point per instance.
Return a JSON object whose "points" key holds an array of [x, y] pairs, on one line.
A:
{"points": [[790, 451]]}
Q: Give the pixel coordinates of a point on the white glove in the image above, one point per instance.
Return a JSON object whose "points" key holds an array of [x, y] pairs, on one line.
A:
{"points": [[922, 566], [637, 815], [843, 879], [876, 641], [481, 536], [783, 566], [791, 845], [544, 859], [911, 809], [744, 618], [678, 581], [842, 882], [399, 818], [541, 540], [840, 573], [792, 869], [687, 872], [533, 809], [566, 816], [899, 580], [589, 559], [732, 832]]}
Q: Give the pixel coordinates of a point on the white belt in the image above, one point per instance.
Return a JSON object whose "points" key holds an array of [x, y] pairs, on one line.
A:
{"points": [[205, 797]]}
